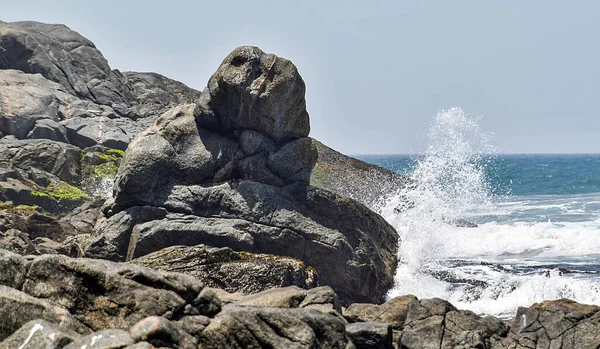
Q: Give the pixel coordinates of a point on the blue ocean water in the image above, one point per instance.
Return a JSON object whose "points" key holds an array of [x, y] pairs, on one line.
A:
{"points": [[538, 217], [521, 174]]}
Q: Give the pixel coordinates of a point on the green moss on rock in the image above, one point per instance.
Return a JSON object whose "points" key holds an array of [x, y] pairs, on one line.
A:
{"points": [[62, 191], [112, 155], [106, 170]]}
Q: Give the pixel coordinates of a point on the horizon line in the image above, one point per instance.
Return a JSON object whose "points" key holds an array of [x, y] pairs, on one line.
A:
{"points": [[487, 154]]}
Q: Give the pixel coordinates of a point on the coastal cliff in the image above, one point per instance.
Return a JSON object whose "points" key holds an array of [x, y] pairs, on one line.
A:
{"points": [[227, 226]]}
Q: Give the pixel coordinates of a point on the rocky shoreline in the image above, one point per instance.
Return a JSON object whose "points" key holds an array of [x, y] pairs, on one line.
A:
{"points": [[228, 227]]}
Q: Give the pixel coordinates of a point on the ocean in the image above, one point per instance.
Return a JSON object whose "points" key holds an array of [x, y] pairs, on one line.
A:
{"points": [[538, 222]]}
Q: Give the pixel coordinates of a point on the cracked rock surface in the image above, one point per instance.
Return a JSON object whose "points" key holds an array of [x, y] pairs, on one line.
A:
{"points": [[233, 170]]}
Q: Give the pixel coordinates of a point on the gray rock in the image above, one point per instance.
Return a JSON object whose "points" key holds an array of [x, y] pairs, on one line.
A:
{"points": [[324, 230], [557, 324], [435, 323], [86, 132], [294, 160], [15, 241], [59, 159], [17, 308], [258, 91], [353, 178], [254, 142], [392, 312], [38, 334], [367, 335], [112, 235], [48, 129], [13, 270], [63, 56], [141, 345], [82, 219], [321, 298], [104, 339], [207, 303], [29, 98], [155, 94], [103, 294], [285, 297], [161, 332], [251, 327]]}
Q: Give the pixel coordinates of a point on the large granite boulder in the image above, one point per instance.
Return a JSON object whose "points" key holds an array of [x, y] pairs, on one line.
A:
{"points": [[63, 56], [57, 85], [233, 171]]}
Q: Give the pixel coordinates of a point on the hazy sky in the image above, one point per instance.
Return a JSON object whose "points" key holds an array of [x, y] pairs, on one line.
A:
{"points": [[377, 71]]}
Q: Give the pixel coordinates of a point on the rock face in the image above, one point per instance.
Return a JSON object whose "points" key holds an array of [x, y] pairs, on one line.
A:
{"points": [[220, 181], [61, 302], [353, 178], [57, 85], [233, 171], [232, 271]]}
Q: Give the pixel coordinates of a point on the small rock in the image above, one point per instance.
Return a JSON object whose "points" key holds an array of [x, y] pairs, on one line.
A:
{"points": [[38, 334], [367, 335], [207, 302], [104, 339], [159, 332]]}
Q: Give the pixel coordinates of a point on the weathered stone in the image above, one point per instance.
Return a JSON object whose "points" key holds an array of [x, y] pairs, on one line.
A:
{"points": [[435, 323], [207, 302], [103, 294], [392, 312], [17, 308], [86, 132], [258, 91], [112, 235], [13, 270], [37, 334], [59, 159], [353, 178], [294, 160], [326, 231], [82, 219], [367, 335], [251, 327], [161, 332], [253, 142], [232, 271], [104, 339], [48, 129]]}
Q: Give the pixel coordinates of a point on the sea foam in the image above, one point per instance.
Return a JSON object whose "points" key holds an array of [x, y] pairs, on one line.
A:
{"points": [[520, 253]]}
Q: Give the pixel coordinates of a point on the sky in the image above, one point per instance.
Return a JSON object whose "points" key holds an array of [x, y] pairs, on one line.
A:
{"points": [[376, 72]]}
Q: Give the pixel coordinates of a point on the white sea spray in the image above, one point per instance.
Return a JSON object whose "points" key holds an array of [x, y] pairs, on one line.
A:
{"points": [[501, 264]]}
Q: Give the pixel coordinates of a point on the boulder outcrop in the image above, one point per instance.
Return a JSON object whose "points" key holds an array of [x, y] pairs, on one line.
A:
{"points": [[215, 193], [232, 271], [234, 171], [61, 302], [57, 85]]}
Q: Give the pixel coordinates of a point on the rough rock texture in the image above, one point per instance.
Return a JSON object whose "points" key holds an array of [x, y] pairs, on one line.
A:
{"points": [[37, 334], [100, 294], [366, 335], [556, 324], [65, 57], [353, 178], [233, 171], [232, 271], [54, 301], [392, 312], [249, 327]]}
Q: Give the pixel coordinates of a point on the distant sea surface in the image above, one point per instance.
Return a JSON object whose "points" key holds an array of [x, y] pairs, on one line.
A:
{"points": [[538, 217]]}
